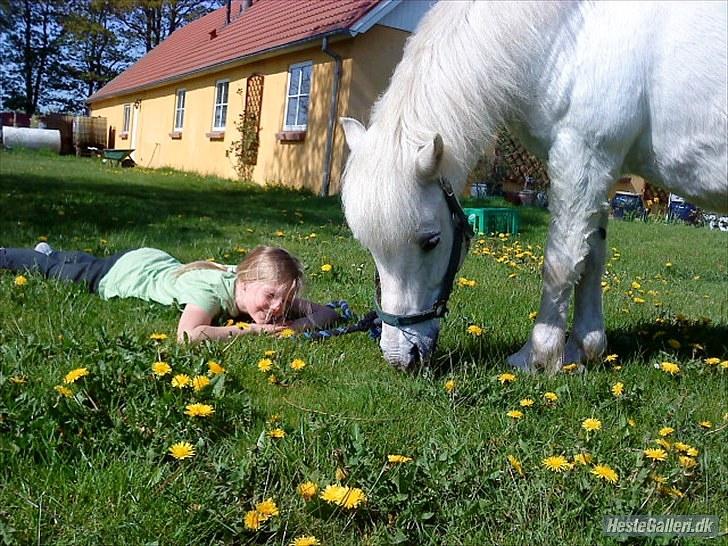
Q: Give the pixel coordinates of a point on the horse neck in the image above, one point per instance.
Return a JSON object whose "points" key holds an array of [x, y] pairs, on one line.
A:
{"points": [[463, 74]]}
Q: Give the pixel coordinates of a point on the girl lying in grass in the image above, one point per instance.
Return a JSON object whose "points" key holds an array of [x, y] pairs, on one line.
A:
{"points": [[263, 289]]}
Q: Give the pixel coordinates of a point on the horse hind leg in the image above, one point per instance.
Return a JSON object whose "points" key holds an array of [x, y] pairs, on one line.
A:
{"points": [[579, 185], [588, 339]]}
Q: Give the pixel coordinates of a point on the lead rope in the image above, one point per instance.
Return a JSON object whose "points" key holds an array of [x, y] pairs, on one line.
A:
{"points": [[369, 322]]}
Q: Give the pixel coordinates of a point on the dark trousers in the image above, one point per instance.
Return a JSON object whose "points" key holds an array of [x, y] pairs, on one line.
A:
{"points": [[67, 266]]}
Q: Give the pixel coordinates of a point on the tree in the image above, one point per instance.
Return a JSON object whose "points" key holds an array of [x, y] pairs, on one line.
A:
{"points": [[30, 46], [151, 21]]}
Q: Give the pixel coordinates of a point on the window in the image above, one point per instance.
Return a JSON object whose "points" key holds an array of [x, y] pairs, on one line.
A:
{"points": [[127, 118], [221, 104], [299, 88], [179, 110]]}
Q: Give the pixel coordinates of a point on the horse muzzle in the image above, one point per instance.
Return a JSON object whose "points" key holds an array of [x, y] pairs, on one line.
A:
{"points": [[407, 348]]}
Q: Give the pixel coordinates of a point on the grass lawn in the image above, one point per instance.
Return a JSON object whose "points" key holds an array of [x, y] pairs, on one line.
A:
{"points": [[92, 466]]}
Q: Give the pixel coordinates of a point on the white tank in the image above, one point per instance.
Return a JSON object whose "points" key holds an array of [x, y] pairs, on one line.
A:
{"points": [[36, 139]]}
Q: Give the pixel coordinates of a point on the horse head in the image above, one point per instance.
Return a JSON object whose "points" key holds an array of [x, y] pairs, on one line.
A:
{"points": [[399, 205]]}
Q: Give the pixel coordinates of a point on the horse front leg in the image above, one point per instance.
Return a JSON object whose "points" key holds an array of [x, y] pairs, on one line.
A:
{"points": [[579, 183], [588, 339]]}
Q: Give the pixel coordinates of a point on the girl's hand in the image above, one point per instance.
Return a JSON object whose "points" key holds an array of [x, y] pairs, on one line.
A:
{"points": [[266, 328]]}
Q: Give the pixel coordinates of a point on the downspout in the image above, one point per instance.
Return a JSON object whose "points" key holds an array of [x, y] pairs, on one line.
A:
{"points": [[333, 109]]}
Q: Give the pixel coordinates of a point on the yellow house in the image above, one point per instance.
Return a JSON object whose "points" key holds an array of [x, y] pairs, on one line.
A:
{"points": [[254, 88]]}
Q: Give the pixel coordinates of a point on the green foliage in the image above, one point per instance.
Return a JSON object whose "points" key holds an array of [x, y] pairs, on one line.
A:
{"points": [[94, 468]]}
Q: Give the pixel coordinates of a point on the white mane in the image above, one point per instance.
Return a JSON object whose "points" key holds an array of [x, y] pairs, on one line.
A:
{"points": [[437, 88]]}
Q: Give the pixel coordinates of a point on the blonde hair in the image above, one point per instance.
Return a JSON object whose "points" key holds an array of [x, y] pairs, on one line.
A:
{"points": [[263, 263]]}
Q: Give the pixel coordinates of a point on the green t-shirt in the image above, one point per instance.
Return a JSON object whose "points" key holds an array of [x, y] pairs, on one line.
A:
{"points": [[149, 274]]}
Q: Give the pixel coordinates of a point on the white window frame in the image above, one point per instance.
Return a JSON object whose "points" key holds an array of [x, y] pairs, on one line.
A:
{"points": [[297, 95], [179, 111], [126, 118], [219, 104]]}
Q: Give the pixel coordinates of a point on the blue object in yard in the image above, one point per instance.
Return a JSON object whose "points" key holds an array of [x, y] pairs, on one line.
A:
{"points": [[679, 209], [627, 205]]}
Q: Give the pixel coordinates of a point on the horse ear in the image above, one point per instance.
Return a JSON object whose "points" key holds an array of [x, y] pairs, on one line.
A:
{"points": [[353, 131], [428, 158]]}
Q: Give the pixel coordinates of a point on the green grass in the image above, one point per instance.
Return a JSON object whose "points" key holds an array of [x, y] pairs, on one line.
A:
{"points": [[93, 469]]}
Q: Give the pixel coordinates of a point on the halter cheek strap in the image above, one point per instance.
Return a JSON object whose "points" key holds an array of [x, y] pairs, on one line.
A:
{"points": [[462, 232]]}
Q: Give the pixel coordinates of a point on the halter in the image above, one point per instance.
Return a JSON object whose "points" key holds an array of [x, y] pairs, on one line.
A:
{"points": [[462, 232]]}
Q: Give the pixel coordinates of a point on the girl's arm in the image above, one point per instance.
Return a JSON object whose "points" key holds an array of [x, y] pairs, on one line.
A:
{"points": [[311, 315], [195, 324]]}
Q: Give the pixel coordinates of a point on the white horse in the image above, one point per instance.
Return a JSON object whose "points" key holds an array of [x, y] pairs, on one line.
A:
{"points": [[595, 89]]}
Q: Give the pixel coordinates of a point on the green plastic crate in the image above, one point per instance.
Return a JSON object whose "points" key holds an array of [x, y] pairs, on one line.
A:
{"points": [[493, 220]]}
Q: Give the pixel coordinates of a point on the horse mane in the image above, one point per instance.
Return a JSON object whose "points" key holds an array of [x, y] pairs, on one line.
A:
{"points": [[460, 72]]}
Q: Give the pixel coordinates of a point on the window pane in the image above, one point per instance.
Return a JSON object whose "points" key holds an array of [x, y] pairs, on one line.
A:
{"points": [[181, 99], [179, 119], [295, 79], [225, 92], [223, 115], [218, 116], [291, 114], [306, 79], [302, 118]]}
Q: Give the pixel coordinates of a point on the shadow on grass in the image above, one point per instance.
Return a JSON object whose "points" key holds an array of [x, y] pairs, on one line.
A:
{"points": [[645, 343], [51, 204]]}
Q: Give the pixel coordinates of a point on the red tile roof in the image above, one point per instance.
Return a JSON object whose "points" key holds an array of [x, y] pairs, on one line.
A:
{"points": [[265, 25]]}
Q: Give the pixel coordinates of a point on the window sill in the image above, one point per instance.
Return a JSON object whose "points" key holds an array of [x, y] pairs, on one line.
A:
{"points": [[216, 135], [175, 135], [123, 136], [291, 136]]}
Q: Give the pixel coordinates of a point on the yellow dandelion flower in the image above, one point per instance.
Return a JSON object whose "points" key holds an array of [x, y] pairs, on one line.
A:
{"points": [[399, 459], [277, 433], [75, 375], [265, 365], [526, 402], [638, 300], [307, 490], [18, 379], [326, 268], [583, 458], [273, 379], [591, 424], [181, 380], [687, 462], [199, 382], [305, 540], [724, 364], [158, 336], [693, 452], [182, 450], [160, 369], [568, 368], [214, 368], [515, 414], [618, 389], [298, 364], [674, 492], [681, 446], [557, 463], [341, 474], [674, 343], [712, 361], [670, 368], [532, 315], [706, 424], [63, 391], [663, 443], [611, 358], [347, 497], [605, 472], [516, 464], [450, 386], [199, 410], [286, 333], [506, 377], [631, 422], [656, 454], [270, 354], [635, 285], [665, 431], [658, 478], [252, 520], [21, 280], [668, 264], [550, 397], [242, 325], [280, 233], [475, 330], [267, 509]]}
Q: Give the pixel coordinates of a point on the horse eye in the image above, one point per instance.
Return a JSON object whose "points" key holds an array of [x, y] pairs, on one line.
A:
{"points": [[430, 243]]}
